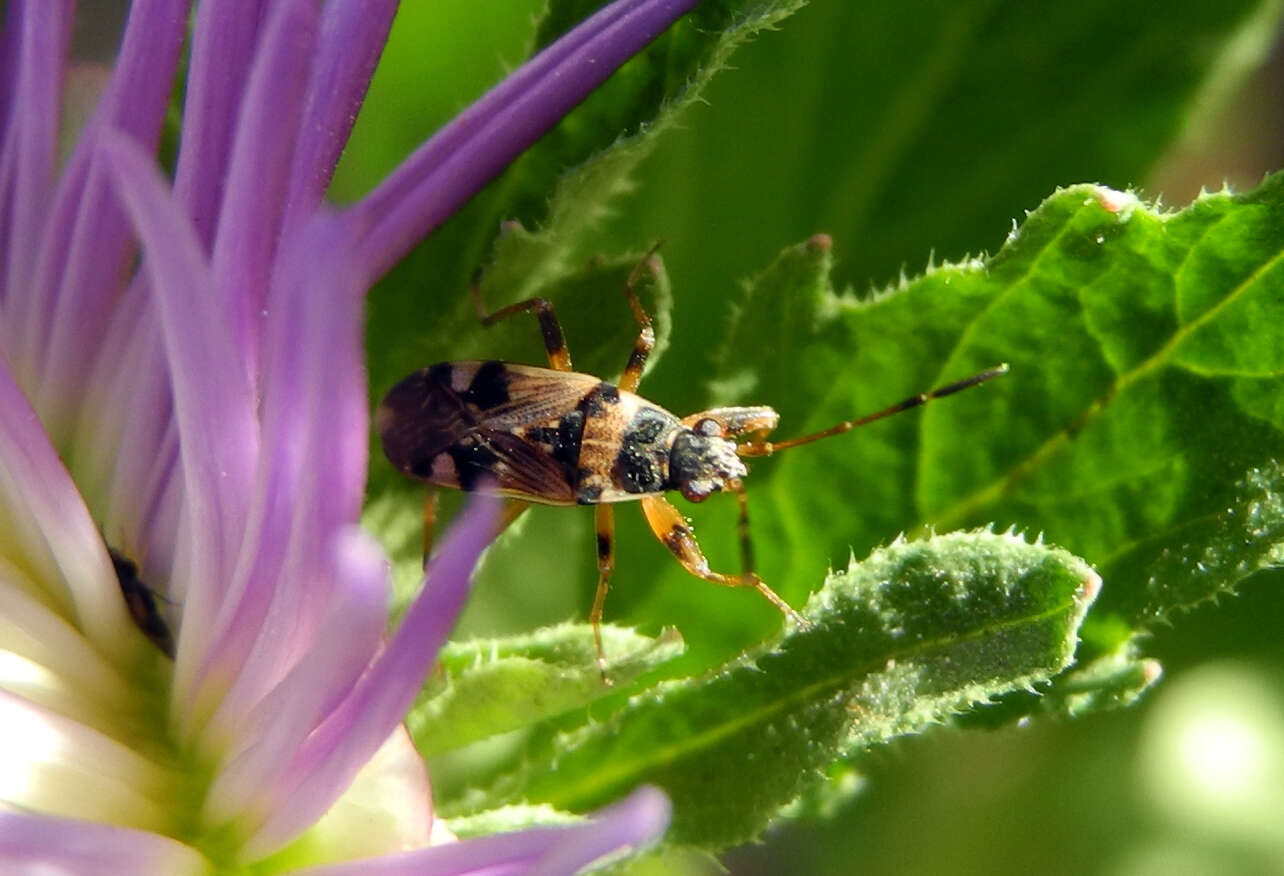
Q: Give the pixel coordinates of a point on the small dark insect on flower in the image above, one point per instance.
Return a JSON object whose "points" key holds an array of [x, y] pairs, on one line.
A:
{"points": [[141, 602], [554, 436]]}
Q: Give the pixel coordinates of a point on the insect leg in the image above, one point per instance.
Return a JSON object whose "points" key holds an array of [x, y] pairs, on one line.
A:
{"points": [[559, 357], [513, 508], [671, 528], [430, 521], [642, 347], [746, 543], [605, 520]]}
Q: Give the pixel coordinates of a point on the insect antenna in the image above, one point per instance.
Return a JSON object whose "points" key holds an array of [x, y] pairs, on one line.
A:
{"points": [[766, 448]]}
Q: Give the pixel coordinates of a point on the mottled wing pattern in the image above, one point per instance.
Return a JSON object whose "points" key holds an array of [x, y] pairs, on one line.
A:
{"points": [[459, 423], [520, 469]]}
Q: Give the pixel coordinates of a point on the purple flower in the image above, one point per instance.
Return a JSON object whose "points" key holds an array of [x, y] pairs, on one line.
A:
{"points": [[204, 415]]}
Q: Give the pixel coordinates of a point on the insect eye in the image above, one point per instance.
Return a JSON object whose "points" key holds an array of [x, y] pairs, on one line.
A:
{"points": [[709, 427]]}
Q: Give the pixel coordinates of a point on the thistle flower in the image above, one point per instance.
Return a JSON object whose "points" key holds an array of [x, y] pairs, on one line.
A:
{"points": [[205, 416]]}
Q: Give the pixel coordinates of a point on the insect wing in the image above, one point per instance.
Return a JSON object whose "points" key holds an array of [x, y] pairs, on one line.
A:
{"points": [[461, 423], [524, 470]]}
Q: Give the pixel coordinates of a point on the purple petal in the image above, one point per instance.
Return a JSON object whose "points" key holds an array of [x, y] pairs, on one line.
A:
{"points": [[52, 665], [44, 844], [126, 442], [311, 477], [640, 818], [451, 167], [30, 140], [213, 403], [223, 41], [48, 523], [327, 762], [635, 821], [10, 44], [59, 764], [258, 175], [286, 715], [353, 33], [86, 242], [122, 437]]}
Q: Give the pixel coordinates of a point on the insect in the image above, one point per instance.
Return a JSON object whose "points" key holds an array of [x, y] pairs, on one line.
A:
{"points": [[141, 602], [554, 436]]}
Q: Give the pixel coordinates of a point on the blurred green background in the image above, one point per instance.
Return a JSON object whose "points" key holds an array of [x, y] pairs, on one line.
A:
{"points": [[910, 132]]}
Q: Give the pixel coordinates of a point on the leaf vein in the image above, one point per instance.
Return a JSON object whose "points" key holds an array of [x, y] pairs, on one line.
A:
{"points": [[964, 507], [603, 778]]}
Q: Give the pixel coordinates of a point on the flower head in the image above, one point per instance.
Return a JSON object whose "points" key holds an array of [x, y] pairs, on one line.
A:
{"points": [[198, 426]]}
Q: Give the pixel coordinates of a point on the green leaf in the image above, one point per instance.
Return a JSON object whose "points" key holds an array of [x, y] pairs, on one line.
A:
{"points": [[933, 132], [485, 687], [912, 635], [841, 784], [926, 127], [1138, 425], [621, 122], [1245, 537], [509, 818], [1110, 682]]}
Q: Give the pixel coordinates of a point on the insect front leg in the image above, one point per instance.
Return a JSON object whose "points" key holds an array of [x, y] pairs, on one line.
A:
{"points": [[605, 526], [671, 528], [559, 357]]}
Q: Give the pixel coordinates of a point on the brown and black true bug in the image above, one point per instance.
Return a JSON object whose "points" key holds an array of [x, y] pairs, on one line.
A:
{"points": [[553, 436]]}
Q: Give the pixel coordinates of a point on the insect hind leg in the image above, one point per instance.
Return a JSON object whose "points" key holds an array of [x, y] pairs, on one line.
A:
{"points": [[550, 328], [513, 508], [747, 563], [431, 507], [671, 529], [605, 526]]}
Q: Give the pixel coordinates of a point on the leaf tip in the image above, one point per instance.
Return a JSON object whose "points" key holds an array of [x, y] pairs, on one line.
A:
{"points": [[820, 242], [1090, 587], [1114, 201]]}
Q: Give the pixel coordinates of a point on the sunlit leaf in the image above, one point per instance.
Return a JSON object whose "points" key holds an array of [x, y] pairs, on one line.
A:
{"points": [[906, 638]]}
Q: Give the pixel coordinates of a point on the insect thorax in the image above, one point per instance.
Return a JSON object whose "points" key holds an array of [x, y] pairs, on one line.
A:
{"points": [[625, 452], [633, 448]]}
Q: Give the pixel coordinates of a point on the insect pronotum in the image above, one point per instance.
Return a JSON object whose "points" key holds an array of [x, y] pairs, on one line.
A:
{"points": [[554, 436]]}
